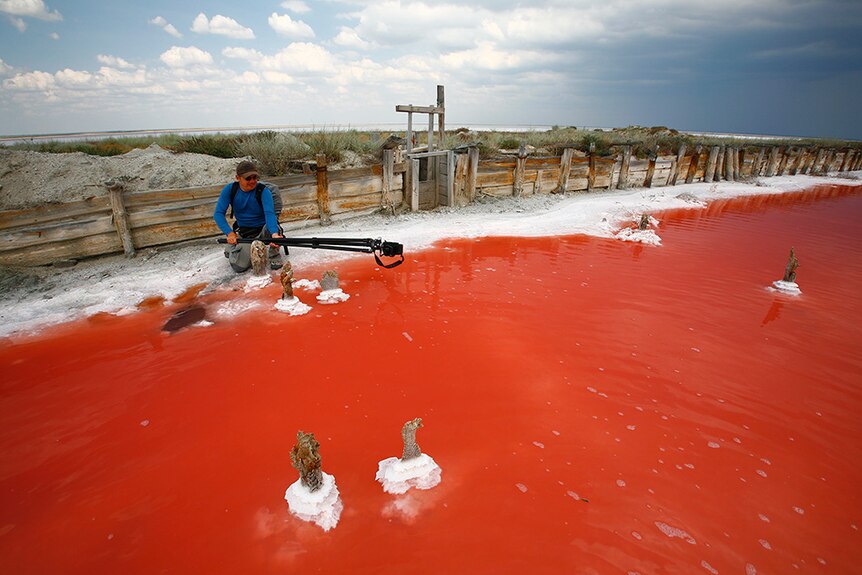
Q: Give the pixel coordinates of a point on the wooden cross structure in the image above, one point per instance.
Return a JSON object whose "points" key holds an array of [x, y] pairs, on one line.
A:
{"points": [[438, 163], [438, 110]]}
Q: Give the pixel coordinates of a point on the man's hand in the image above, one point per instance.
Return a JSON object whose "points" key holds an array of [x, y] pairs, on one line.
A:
{"points": [[231, 238], [276, 236]]}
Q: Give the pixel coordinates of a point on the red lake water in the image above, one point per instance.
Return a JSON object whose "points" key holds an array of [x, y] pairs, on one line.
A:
{"points": [[596, 406]]}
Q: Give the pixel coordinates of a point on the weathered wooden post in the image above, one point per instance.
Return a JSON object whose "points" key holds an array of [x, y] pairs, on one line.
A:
{"points": [[719, 166], [736, 162], [785, 156], [845, 156], [728, 163], [801, 157], [711, 161], [772, 162], [591, 175], [565, 170], [388, 178], [827, 161], [472, 172], [413, 186], [323, 191], [441, 117], [680, 154], [757, 166], [520, 167], [650, 170], [857, 162], [692, 166], [623, 182], [121, 217]]}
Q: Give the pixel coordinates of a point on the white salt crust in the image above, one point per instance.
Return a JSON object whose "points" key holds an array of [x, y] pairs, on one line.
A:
{"points": [[398, 476], [292, 306], [791, 288], [322, 507], [332, 296], [257, 282]]}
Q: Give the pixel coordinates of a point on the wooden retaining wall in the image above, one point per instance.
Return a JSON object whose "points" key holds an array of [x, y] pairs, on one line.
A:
{"points": [[128, 221]]}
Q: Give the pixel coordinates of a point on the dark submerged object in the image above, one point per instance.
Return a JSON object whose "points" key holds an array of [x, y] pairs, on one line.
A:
{"points": [[183, 318]]}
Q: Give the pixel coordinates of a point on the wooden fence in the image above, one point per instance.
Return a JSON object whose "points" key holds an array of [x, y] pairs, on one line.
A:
{"points": [[123, 221]]}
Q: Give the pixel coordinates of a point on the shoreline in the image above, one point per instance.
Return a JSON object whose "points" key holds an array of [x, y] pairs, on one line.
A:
{"points": [[42, 297]]}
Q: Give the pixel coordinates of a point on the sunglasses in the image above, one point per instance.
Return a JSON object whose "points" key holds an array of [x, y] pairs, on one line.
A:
{"points": [[251, 178]]}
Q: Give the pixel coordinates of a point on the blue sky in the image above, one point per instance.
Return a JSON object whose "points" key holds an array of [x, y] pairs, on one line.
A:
{"points": [[784, 67]]}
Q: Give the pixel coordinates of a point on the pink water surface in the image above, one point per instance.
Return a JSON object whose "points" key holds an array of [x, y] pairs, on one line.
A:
{"points": [[596, 407]]}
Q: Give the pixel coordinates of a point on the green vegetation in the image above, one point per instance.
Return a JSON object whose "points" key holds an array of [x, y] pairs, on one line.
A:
{"points": [[278, 152]]}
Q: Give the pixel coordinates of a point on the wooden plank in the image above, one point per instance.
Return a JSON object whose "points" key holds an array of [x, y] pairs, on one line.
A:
{"points": [[322, 190], [495, 179], [534, 163], [736, 153], [709, 172], [55, 212], [413, 186], [591, 175], [518, 185], [772, 162], [472, 172], [565, 170], [158, 197], [358, 187], [172, 232], [461, 199], [757, 166], [649, 175], [49, 252], [26, 237], [121, 219], [147, 217], [680, 154], [691, 174], [365, 202], [728, 164], [497, 166], [782, 164], [623, 182], [420, 109]]}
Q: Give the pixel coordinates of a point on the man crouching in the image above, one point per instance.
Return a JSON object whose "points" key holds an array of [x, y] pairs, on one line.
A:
{"points": [[253, 208]]}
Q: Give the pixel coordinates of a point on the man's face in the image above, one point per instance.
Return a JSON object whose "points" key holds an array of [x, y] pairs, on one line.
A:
{"points": [[247, 182]]}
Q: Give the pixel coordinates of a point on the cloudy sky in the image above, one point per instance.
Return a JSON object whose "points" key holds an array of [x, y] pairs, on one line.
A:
{"points": [[784, 67]]}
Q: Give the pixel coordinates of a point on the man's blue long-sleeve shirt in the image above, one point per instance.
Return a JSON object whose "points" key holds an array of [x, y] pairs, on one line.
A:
{"points": [[247, 211]]}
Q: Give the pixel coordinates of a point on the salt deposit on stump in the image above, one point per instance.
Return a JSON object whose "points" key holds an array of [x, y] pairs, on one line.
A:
{"points": [[331, 292], [642, 234], [314, 496], [260, 277], [788, 283], [414, 469], [289, 303]]}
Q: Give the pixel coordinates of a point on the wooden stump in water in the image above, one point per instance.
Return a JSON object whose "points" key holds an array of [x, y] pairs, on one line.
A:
{"points": [[305, 457], [287, 281], [258, 258], [644, 223], [329, 281], [408, 434], [790, 270]]}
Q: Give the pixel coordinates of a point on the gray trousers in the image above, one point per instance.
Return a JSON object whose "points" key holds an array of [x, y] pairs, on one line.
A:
{"points": [[239, 255]]}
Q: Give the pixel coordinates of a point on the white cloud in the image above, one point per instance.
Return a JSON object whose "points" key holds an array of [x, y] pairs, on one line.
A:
{"points": [[179, 57], [348, 38], [18, 23], [221, 25], [70, 77], [113, 61], [166, 26], [302, 58], [54, 36], [111, 77], [487, 56], [31, 81], [287, 26], [5, 69], [296, 6], [278, 78], [242, 53], [30, 9]]}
